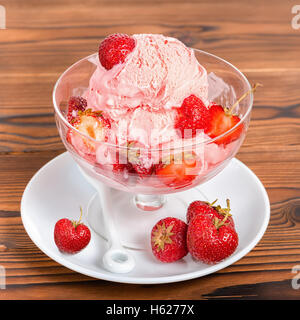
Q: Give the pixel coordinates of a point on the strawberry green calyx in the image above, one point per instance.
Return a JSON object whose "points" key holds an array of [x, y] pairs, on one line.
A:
{"points": [[168, 239], [89, 111], [162, 236], [77, 223], [224, 211], [211, 203]]}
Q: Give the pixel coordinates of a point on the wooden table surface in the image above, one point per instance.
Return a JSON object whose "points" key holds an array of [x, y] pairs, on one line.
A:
{"points": [[43, 38]]}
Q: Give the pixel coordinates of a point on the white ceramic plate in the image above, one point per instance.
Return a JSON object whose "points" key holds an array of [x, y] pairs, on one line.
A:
{"points": [[58, 190]]}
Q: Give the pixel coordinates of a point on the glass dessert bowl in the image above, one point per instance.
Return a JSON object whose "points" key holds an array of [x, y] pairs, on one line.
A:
{"points": [[150, 173]]}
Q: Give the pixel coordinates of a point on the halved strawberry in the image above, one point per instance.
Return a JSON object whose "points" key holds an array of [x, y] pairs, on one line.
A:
{"points": [[92, 124], [179, 171], [222, 120]]}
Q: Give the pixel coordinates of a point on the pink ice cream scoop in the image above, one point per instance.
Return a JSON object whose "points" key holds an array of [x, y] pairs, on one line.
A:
{"points": [[159, 73], [155, 77]]}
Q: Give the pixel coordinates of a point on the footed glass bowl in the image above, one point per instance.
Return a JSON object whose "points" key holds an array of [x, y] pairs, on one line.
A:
{"points": [[173, 169]]}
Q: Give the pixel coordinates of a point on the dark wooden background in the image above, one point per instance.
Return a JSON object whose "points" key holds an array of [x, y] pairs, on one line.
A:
{"points": [[44, 37]]}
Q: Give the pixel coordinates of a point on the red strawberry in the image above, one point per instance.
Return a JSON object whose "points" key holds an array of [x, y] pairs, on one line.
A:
{"points": [[222, 120], [114, 49], [202, 207], [71, 236], [178, 171], [193, 115], [168, 239], [198, 207], [210, 239], [140, 159], [123, 170], [142, 170], [75, 104], [92, 124]]}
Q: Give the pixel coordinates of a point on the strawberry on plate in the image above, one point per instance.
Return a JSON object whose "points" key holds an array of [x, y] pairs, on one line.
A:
{"points": [[168, 239], [198, 207], [114, 49], [71, 236], [211, 239], [193, 116], [221, 121], [179, 170], [203, 207]]}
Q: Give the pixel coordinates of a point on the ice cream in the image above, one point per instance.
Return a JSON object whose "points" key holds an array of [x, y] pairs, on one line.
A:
{"points": [[143, 91], [159, 73]]}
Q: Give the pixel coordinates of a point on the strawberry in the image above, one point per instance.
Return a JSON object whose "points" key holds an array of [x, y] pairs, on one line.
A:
{"points": [[210, 239], [178, 171], [75, 104], [168, 239], [123, 169], [114, 49], [140, 159], [92, 124], [71, 236], [222, 120], [193, 115], [198, 207], [202, 207]]}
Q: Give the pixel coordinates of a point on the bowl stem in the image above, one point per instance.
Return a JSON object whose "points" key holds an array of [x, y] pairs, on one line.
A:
{"points": [[148, 202]]}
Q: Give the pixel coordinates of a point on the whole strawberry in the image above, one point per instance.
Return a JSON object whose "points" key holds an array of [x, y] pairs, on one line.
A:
{"points": [[203, 207], [192, 116], [168, 239], [71, 236], [114, 49], [210, 239]]}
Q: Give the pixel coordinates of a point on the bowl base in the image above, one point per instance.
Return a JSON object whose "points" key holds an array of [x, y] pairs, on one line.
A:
{"points": [[134, 225]]}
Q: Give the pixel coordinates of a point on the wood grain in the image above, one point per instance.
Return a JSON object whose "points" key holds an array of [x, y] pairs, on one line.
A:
{"points": [[44, 37]]}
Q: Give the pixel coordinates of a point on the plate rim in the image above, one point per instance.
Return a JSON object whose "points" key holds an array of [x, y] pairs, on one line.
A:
{"points": [[122, 278]]}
